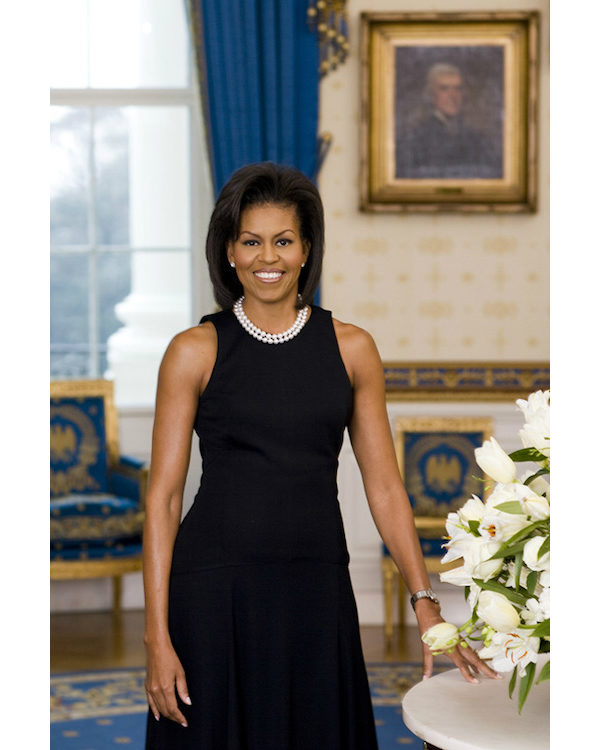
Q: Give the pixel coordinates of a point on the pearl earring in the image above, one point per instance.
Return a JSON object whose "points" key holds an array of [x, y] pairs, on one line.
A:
{"points": [[302, 266], [232, 264]]}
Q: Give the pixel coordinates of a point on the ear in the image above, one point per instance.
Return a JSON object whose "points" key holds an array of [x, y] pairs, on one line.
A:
{"points": [[229, 252], [305, 248]]}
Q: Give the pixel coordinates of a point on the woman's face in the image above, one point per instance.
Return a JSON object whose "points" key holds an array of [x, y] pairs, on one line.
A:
{"points": [[269, 252]]}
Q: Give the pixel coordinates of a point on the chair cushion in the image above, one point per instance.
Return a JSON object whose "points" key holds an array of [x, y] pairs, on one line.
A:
{"points": [[78, 460], [124, 548], [89, 518]]}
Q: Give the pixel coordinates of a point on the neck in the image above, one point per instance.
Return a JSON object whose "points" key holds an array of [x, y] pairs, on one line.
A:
{"points": [[274, 317]]}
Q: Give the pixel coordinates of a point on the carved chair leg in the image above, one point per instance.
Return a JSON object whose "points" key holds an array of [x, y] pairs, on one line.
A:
{"points": [[116, 594], [388, 596]]}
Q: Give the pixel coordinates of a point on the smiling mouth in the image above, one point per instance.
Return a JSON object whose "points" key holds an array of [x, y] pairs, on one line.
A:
{"points": [[269, 276]]}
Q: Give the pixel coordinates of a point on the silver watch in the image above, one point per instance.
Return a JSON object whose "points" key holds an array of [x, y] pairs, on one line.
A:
{"points": [[423, 594]]}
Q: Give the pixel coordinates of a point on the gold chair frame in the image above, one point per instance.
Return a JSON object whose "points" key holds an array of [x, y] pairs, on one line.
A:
{"points": [[114, 567]]}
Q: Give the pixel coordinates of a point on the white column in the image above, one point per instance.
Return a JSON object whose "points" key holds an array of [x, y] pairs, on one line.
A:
{"points": [[159, 304]]}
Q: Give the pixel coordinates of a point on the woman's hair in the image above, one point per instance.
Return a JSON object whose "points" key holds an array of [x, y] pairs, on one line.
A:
{"points": [[257, 185]]}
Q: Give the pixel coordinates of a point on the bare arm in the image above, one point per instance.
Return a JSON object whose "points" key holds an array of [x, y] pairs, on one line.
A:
{"points": [[373, 447], [183, 374]]}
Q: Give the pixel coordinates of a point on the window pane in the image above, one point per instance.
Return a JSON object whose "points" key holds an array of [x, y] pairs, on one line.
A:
{"points": [[69, 292], [138, 43], [70, 364], [69, 175], [114, 284], [68, 32], [111, 155], [142, 176]]}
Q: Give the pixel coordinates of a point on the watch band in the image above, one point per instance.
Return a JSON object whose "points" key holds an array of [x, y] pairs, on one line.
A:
{"points": [[423, 594]]}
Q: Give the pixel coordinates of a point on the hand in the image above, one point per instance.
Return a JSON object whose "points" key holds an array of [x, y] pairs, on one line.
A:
{"points": [[164, 675], [466, 659]]}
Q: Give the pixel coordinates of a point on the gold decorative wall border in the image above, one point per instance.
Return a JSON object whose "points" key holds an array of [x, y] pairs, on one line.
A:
{"points": [[464, 381]]}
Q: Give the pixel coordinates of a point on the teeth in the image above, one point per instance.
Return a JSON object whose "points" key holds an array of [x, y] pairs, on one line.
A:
{"points": [[272, 275]]}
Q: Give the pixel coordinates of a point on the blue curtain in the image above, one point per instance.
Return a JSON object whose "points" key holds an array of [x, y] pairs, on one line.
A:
{"points": [[259, 73]]}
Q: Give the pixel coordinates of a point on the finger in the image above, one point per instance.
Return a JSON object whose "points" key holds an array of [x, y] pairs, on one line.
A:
{"points": [[481, 665], [182, 688], [173, 711], [153, 706], [427, 663], [463, 666]]}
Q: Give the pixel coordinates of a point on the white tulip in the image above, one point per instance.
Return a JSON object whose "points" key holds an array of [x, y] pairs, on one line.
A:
{"points": [[476, 552], [508, 650], [533, 505], [530, 554], [539, 485], [441, 637], [495, 462], [497, 611]]}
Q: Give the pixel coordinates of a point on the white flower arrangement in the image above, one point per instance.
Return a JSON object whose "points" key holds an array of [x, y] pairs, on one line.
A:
{"points": [[504, 544]]}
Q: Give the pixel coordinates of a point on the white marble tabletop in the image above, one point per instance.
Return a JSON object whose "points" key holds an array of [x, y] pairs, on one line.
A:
{"points": [[453, 714]]}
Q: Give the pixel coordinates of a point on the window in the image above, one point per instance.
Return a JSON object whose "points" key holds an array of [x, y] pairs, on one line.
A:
{"points": [[127, 164]]}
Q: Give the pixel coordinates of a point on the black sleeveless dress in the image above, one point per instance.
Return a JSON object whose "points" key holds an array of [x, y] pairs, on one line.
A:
{"points": [[261, 609]]}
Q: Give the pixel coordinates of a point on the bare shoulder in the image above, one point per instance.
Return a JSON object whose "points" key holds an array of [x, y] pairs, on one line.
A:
{"points": [[191, 355], [358, 350]]}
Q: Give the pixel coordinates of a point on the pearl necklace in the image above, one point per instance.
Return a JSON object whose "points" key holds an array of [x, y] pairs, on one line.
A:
{"points": [[269, 338]]}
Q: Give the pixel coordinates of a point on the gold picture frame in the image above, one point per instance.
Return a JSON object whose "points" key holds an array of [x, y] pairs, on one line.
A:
{"points": [[449, 112]]}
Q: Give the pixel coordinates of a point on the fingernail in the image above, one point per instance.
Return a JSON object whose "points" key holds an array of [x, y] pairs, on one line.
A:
{"points": [[476, 681], [183, 724], [188, 700], [499, 676], [425, 676], [156, 716]]}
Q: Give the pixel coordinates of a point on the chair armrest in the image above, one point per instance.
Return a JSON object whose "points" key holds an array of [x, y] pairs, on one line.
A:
{"points": [[129, 478]]}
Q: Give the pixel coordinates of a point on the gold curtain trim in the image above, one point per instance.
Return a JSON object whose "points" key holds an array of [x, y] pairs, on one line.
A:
{"points": [[329, 19]]}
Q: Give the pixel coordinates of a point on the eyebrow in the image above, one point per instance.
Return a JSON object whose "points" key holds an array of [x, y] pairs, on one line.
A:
{"points": [[283, 231]]}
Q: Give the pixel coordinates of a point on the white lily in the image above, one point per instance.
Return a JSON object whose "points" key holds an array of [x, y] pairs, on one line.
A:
{"points": [[536, 431], [508, 650]]}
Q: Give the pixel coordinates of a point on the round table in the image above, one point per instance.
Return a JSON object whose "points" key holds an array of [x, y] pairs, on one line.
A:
{"points": [[452, 714]]}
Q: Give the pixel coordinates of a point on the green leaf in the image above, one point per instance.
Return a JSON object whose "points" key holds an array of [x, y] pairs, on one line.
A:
{"points": [[474, 528], [532, 580], [505, 551], [544, 674], [544, 548], [527, 454], [542, 630], [510, 594], [526, 683], [544, 647], [511, 506], [527, 531], [512, 683], [467, 592], [537, 474], [518, 567]]}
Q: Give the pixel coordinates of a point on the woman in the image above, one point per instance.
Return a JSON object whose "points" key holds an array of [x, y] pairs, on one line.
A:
{"points": [[251, 632]]}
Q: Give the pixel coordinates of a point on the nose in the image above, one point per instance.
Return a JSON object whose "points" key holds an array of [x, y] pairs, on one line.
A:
{"points": [[268, 253]]}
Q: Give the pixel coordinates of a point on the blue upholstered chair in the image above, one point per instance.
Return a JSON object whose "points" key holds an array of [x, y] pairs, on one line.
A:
{"points": [[437, 462], [96, 495]]}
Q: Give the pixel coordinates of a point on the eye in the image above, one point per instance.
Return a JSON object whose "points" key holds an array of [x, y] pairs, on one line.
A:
{"points": [[286, 241], [250, 243]]}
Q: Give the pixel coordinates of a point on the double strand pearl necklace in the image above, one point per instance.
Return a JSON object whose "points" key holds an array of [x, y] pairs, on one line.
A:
{"points": [[269, 338]]}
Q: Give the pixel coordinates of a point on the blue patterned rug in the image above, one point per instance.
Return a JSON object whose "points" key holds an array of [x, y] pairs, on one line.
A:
{"points": [[103, 709]]}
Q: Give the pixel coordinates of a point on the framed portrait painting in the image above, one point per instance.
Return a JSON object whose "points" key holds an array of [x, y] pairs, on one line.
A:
{"points": [[449, 111]]}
